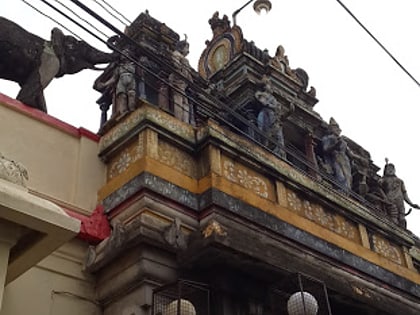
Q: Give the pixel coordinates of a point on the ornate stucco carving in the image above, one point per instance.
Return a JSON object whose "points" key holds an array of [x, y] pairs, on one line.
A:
{"points": [[124, 159], [213, 227], [13, 171], [323, 217], [174, 236], [246, 178], [176, 158], [387, 249]]}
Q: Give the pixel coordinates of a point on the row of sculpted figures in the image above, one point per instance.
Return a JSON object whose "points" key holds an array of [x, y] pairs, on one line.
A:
{"points": [[345, 165], [352, 171], [135, 76]]}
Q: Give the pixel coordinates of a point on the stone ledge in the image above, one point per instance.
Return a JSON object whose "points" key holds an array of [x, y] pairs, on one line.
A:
{"points": [[46, 227]]}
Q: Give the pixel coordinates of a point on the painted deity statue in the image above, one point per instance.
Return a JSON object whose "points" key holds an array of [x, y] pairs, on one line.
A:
{"points": [[180, 100], [270, 118], [396, 194], [335, 155], [123, 81]]}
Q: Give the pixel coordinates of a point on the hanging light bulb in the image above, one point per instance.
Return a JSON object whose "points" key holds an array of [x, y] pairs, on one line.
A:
{"points": [[185, 308], [262, 6], [302, 303]]}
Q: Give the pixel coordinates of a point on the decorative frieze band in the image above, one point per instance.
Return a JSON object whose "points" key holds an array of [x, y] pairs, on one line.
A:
{"points": [[247, 178], [316, 213]]}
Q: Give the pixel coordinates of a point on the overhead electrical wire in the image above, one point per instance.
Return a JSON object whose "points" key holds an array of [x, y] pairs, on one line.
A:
{"points": [[118, 50], [73, 20], [210, 110], [79, 17], [379, 43], [105, 5], [167, 65], [52, 19]]}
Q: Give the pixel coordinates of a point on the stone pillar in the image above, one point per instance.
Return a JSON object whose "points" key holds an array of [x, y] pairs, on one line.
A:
{"points": [[9, 234], [163, 96], [310, 153]]}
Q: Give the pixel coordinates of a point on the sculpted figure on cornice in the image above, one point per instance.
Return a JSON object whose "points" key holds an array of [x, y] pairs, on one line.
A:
{"points": [[271, 117], [396, 194], [218, 25], [179, 81], [280, 61], [123, 82], [337, 156]]}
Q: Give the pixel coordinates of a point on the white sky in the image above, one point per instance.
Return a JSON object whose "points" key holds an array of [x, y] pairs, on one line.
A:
{"points": [[373, 100]]}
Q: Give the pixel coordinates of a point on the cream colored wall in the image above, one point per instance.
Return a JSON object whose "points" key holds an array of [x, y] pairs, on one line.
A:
{"points": [[56, 286], [62, 165]]}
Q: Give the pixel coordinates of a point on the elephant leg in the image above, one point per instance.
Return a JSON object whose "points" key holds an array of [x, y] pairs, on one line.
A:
{"points": [[31, 92], [41, 102], [41, 77]]}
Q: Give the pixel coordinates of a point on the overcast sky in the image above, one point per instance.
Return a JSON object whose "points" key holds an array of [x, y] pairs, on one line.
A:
{"points": [[373, 100]]}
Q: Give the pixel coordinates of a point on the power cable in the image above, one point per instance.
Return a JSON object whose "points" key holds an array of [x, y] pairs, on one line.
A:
{"points": [[79, 17], [170, 67], [105, 5], [379, 43], [52, 19], [72, 20]]}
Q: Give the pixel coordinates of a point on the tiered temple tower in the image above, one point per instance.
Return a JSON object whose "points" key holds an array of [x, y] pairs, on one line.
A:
{"points": [[218, 191], [239, 200]]}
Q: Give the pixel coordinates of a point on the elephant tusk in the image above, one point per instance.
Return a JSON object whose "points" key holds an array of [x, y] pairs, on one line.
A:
{"points": [[98, 68]]}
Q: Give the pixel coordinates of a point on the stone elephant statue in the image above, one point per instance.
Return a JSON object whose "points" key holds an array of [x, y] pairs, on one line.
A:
{"points": [[33, 62]]}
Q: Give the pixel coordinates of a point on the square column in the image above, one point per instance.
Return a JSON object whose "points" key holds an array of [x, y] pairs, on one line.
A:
{"points": [[9, 234]]}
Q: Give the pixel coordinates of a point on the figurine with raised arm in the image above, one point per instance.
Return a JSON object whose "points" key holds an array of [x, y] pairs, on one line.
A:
{"points": [[396, 193]]}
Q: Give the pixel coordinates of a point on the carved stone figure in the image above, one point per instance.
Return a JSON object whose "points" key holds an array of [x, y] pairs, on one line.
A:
{"points": [[271, 116], [178, 81], [360, 162], [396, 194], [302, 77], [123, 82], [174, 236], [219, 25], [312, 91], [377, 197], [334, 150], [281, 61], [141, 84], [33, 62], [12, 171]]}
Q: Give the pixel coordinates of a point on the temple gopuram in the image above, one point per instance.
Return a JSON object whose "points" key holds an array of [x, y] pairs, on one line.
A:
{"points": [[216, 191]]}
